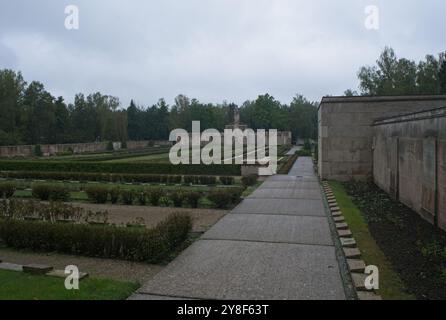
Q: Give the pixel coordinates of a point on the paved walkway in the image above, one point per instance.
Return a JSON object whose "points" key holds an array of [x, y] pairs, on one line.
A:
{"points": [[276, 244]]}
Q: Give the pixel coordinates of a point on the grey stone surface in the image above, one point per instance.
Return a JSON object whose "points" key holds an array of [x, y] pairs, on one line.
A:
{"points": [[282, 206], [344, 233], [263, 193], [250, 270], [341, 226], [11, 267], [270, 228], [356, 265], [269, 247], [348, 242], [364, 295], [359, 281], [352, 253]]}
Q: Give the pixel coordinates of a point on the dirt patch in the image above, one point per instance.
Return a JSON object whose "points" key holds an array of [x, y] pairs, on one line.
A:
{"points": [[416, 249], [97, 268], [202, 219]]}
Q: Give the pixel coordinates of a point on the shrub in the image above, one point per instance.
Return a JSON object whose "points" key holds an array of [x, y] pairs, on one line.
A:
{"points": [[59, 193], [193, 198], [120, 168], [97, 194], [41, 191], [110, 146], [141, 195], [133, 244], [115, 194], [304, 153], [207, 180], [174, 179], [177, 198], [221, 199], [155, 196], [7, 189], [227, 181], [249, 181], [38, 150], [128, 196], [236, 195]]}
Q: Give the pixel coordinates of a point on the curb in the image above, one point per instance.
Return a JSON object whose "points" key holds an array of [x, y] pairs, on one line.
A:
{"points": [[352, 254]]}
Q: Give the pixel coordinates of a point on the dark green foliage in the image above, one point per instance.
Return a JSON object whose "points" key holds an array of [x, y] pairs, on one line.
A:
{"points": [[38, 150], [141, 196], [193, 198], [7, 189], [110, 146], [115, 193], [155, 196], [51, 192], [121, 168], [97, 194], [128, 196], [133, 244], [227, 181], [221, 199], [442, 77], [249, 181], [177, 198]]}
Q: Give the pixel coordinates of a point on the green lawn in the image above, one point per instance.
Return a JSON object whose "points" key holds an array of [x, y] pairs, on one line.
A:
{"points": [[22, 286], [391, 286]]}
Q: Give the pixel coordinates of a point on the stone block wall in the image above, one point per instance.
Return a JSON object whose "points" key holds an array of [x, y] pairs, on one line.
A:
{"points": [[409, 161], [346, 131]]}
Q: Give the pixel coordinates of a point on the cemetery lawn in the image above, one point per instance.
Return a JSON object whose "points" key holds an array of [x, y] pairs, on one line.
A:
{"points": [[22, 286], [391, 286]]}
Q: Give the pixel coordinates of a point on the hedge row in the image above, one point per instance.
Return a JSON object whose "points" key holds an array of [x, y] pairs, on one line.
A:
{"points": [[286, 167], [110, 177], [222, 199], [133, 244], [107, 167]]}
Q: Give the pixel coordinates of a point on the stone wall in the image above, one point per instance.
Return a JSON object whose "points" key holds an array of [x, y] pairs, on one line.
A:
{"points": [[409, 161], [346, 131], [53, 149]]}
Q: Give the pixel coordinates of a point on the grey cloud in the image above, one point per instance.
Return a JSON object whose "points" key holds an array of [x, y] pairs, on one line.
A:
{"points": [[213, 50]]}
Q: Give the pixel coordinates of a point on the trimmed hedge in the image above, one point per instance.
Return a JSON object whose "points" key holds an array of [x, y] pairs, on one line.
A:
{"points": [[112, 177], [133, 244], [51, 192], [249, 181], [7, 189], [108, 167]]}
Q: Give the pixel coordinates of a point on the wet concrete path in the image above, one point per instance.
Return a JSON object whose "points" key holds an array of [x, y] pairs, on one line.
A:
{"points": [[276, 244]]}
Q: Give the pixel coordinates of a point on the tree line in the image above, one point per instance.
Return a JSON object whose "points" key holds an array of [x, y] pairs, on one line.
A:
{"points": [[400, 76], [29, 114]]}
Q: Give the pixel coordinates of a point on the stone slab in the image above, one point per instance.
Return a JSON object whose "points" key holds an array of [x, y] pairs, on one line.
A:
{"points": [[215, 269], [365, 295], [295, 207], [339, 219], [348, 242], [37, 269], [272, 228], [356, 265], [341, 226], [11, 267], [344, 233], [307, 194], [352, 253], [359, 281], [61, 274]]}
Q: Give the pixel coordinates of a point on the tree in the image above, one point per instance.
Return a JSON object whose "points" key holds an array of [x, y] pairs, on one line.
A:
{"points": [[442, 77], [394, 76]]}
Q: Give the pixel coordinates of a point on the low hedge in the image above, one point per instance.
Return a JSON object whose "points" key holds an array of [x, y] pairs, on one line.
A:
{"points": [[51, 192], [7, 189], [286, 167], [112, 177], [133, 244], [109, 167]]}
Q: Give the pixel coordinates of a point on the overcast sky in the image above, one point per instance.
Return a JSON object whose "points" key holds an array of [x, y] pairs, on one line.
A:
{"points": [[213, 50]]}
